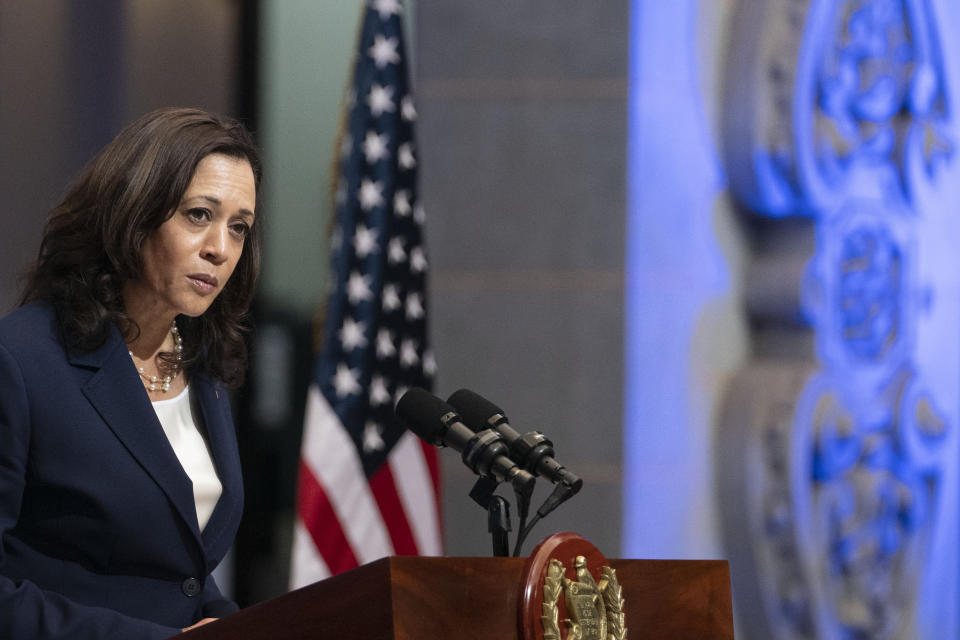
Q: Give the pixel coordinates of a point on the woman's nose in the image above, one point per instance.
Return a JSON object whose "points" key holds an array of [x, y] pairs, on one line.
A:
{"points": [[215, 244]]}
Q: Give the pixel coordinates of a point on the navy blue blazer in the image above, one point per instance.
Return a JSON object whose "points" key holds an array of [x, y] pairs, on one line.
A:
{"points": [[98, 526]]}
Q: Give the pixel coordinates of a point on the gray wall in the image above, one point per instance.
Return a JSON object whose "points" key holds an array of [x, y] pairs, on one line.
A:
{"points": [[32, 130], [522, 137]]}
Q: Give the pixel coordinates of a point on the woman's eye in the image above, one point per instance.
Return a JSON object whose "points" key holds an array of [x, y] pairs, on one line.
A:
{"points": [[242, 229], [198, 214]]}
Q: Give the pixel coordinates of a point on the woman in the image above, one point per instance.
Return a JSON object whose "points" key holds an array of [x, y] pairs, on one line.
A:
{"points": [[120, 487]]}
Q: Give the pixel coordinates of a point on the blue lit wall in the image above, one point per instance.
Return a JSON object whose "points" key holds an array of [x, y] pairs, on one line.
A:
{"points": [[792, 368], [676, 281]]}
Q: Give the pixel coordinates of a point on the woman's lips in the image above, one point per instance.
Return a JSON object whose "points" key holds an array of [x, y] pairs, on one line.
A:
{"points": [[202, 282]]}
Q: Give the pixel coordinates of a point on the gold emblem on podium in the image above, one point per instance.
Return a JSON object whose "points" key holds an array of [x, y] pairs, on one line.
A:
{"points": [[591, 608], [596, 610]]}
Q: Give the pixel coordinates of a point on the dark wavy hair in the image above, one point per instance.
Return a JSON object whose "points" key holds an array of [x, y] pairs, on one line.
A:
{"points": [[93, 239]]}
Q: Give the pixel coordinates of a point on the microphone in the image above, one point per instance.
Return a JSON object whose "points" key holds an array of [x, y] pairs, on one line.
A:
{"points": [[436, 422], [532, 450]]}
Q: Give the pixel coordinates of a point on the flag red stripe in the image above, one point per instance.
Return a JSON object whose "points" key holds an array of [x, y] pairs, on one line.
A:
{"points": [[384, 491], [322, 523], [430, 455], [433, 463]]}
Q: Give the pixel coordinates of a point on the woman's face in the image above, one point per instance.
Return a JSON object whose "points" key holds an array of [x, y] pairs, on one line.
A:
{"points": [[189, 258]]}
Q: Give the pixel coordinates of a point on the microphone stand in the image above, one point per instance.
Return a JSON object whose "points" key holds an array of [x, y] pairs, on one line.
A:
{"points": [[498, 509], [498, 514]]}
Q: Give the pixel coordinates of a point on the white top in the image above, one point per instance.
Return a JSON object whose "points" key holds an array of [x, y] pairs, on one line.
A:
{"points": [[176, 418]]}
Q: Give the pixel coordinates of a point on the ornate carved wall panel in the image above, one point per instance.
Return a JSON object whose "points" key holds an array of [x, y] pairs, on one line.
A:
{"points": [[840, 438]]}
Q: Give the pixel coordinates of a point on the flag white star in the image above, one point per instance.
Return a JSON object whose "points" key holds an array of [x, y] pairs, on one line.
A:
{"points": [[345, 381], [379, 394], [407, 111], [370, 194], [386, 8], [364, 241], [358, 288], [384, 51], [408, 353], [418, 260], [405, 157], [380, 100], [401, 203], [414, 306], [385, 346], [429, 363], [375, 146], [391, 297], [352, 334], [395, 251], [373, 437]]}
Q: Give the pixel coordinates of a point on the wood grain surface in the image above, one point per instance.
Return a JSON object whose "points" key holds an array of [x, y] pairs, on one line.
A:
{"points": [[477, 598]]}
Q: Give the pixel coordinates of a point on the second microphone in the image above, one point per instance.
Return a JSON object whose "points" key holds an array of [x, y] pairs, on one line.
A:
{"points": [[532, 450], [438, 423]]}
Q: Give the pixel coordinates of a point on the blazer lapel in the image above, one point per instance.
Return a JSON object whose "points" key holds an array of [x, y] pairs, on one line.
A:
{"points": [[215, 410], [117, 393]]}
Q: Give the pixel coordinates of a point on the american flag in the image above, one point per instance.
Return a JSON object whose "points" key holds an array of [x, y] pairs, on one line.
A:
{"points": [[367, 487]]}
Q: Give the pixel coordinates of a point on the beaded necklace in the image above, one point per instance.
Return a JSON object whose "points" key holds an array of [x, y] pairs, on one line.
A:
{"points": [[162, 384]]}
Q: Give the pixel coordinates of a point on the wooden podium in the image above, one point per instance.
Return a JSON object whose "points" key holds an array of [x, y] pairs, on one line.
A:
{"points": [[477, 598]]}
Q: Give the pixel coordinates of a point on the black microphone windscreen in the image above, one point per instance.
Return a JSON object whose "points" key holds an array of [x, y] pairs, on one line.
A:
{"points": [[475, 410], [421, 412]]}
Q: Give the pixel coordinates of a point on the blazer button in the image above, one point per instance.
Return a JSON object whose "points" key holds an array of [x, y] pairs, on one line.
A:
{"points": [[191, 587]]}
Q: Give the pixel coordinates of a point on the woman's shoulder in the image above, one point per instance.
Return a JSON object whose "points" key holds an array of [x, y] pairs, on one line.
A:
{"points": [[29, 326], [34, 316]]}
